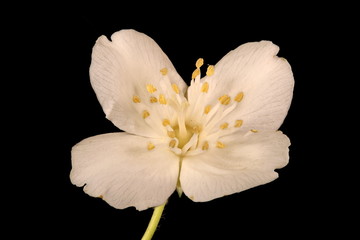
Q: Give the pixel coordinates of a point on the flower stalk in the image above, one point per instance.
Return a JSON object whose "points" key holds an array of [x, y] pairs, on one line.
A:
{"points": [[154, 221]]}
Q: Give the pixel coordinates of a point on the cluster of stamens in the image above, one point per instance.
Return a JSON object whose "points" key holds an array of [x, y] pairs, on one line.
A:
{"points": [[184, 135]]}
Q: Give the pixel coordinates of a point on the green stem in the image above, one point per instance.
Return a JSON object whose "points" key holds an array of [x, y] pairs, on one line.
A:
{"points": [[154, 221]]}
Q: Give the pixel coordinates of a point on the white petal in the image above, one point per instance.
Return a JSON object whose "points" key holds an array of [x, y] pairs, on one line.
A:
{"points": [[121, 69], [245, 162], [266, 81], [120, 168]]}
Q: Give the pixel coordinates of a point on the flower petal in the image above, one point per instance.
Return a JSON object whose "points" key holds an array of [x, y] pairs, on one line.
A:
{"points": [[129, 75], [252, 83], [244, 162], [125, 170]]}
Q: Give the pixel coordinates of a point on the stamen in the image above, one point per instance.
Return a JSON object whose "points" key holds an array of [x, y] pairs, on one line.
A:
{"points": [[175, 88], [199, 62], [166, 122], [254, 130], [207, 109], [225, 99], [239, 97], [195, 73], [150, 146], [220, 145], [224, 126], [210, 70], [205, 146], [172, 143], [153, 99], [162, 99], [238, 123], [136, 99], [205, 87], [164, 71], [150, 88], [145, 114], [191, 143], [171, 134]]}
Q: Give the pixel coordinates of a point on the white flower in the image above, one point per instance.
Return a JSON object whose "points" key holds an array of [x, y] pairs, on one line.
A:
{"points": [[218, 137]]}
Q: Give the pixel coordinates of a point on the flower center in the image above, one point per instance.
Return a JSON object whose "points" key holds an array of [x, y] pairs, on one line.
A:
{"points": [[193, 123], [185, 137]]}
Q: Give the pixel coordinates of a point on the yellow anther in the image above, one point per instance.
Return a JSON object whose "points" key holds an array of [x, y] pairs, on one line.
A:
{"points": [[150, 146], [224, 126], [172, 143], [166, 122], [153, 99], [195, 73], [199, 63], [254, 130], [136, 99], [164, 71], [225, 99], [175, 88], [207, 109], [162, 99], [205, 87], [150, 88], [238, 123], [171, 134], [145, 114], [239, 97], [210, 70], [101, 196], [205, 146], [220, 145]]}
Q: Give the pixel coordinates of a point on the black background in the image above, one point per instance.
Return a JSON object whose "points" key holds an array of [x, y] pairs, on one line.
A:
{"points": [[300, 203]]}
